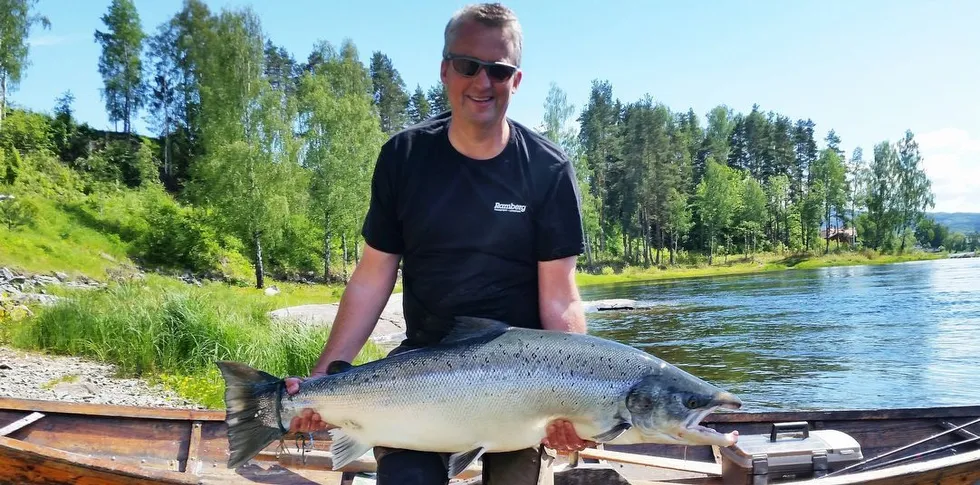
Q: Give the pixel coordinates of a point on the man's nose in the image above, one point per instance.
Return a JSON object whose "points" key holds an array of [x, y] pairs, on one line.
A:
{"points": [[482, 79]]}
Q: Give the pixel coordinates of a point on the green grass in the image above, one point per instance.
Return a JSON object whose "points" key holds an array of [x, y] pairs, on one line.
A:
{"points": [[58, 241], [169, 332], [758, 263]]}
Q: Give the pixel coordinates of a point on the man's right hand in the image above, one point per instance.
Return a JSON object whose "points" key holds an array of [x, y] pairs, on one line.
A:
{"points": [[309, 420]]}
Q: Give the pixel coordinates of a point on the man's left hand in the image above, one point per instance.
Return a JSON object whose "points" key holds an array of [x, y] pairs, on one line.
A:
{"points": [[563, 438]]}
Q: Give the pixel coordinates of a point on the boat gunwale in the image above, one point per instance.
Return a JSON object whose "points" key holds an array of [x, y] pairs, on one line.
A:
{"points": [[186, 414]]}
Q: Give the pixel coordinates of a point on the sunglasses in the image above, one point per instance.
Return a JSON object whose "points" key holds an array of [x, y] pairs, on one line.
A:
{"points": [[470, 66]]}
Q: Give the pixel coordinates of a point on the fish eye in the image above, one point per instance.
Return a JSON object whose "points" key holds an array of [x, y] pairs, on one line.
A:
{"points": [[693, 402]]}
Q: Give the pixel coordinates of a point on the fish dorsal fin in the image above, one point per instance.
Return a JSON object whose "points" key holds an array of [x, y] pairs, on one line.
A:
{"points": [[470, 328]]}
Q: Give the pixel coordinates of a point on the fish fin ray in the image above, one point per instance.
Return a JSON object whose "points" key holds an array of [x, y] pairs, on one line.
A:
{"points": [[345, 449], [469, 328], [613, 433], [250, 395], [459, 461]]}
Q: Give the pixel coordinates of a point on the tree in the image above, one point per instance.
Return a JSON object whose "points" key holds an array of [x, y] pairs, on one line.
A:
{"points": [[914, 188], [881, 187], [717, 199], [341, 138], [830, 172], [249, 171], [120, 64], [16, 22], [389, 93], [751, 211], [438, 98], [419, 108]]}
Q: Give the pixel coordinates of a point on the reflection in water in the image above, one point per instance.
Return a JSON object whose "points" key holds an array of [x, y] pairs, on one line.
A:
{"points": [[902, 335]]}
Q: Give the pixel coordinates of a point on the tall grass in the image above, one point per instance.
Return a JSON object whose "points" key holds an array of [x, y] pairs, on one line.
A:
{"points": [[173, 333]]}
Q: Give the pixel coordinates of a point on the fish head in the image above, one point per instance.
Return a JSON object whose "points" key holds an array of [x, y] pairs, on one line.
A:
{"points": [[667, 407]]}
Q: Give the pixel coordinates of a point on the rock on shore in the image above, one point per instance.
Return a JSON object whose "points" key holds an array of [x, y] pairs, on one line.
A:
{"points": [[29, 375]]}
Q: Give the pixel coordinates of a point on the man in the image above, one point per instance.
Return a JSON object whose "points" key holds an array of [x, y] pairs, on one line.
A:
{"points": [[485, 213]]}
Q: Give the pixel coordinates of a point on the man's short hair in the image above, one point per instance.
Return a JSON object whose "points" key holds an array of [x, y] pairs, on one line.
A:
{"points": [[490, 15]]}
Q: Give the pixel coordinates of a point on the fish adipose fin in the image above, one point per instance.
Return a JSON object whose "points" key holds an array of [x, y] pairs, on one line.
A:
{"points": [[345, 449], [459, 461], [466, 329], [612, 433], [252, 400]]}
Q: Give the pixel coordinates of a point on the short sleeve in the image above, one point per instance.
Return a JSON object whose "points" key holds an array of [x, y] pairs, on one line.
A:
{"points": [[382, 229], [558, 217]]}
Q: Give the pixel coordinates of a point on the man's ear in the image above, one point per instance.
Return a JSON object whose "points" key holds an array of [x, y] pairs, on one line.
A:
{"points": [[444, 70], [517, 81]]}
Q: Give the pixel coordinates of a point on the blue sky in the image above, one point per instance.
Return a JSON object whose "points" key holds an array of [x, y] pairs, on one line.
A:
{"points": [[869, 69]]}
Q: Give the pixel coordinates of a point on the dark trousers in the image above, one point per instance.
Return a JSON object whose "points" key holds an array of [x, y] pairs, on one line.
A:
{"points": [[407, 467]]}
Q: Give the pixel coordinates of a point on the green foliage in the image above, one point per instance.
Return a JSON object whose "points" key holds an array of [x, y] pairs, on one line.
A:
{"points": [[120, 63], [26, 132], [18, 213], [17, 19]]}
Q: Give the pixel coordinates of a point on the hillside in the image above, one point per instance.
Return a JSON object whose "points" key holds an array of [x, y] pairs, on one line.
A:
{"points": [[964, 222]]}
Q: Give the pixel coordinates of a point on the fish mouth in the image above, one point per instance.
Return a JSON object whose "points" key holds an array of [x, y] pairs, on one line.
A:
{"points": [[690, 429]]}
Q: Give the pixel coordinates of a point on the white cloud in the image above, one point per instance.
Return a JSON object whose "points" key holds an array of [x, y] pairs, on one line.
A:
{"points": [[46, 40], [951, 159]]}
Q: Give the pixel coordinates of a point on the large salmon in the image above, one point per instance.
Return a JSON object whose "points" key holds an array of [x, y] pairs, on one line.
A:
{"points": [[486, 387]]}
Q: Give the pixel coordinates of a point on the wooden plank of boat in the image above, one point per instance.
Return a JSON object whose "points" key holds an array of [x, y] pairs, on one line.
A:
{"points": [[712, 469], [23, 462]]}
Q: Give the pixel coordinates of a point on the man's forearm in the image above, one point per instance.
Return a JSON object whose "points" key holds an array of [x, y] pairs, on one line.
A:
{"points": [[566, 315], [360, 307]]}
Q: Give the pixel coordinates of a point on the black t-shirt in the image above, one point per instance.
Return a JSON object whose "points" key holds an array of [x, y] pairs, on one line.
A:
{"points": [[471, 232]]}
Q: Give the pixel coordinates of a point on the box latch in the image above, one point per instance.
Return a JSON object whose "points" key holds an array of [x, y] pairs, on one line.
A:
{"points": [[820, 464], [760, 469]]}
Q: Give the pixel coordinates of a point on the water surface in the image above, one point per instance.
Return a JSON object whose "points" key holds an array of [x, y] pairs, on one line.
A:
{"points": [[899, 335]]}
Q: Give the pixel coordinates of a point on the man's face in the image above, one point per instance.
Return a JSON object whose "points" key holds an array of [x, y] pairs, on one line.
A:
{"points": [[480, 99]]}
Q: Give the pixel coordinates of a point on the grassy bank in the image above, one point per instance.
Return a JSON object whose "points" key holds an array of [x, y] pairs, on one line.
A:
{"points": [[758, 263], [167, 331]]}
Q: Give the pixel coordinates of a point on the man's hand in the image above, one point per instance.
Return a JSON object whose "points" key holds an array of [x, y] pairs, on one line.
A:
{"points": [[563, 438], [309, 420]]}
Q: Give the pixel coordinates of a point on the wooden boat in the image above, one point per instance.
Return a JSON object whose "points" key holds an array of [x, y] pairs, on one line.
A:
{"points": [[57, 442]]}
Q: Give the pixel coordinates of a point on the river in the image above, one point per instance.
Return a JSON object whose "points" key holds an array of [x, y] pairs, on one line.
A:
{"points": [[888, 336]]}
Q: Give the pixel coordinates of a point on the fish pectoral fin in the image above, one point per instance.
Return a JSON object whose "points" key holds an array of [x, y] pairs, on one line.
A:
{"points": [[345, 449], [612, 434], [459, 461]]}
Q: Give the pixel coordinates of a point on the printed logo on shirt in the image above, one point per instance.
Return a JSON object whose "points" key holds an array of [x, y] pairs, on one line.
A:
{"points": [[509, 207]]}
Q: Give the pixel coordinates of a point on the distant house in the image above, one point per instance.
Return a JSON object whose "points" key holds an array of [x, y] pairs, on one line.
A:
{"points": [[843, 235]]}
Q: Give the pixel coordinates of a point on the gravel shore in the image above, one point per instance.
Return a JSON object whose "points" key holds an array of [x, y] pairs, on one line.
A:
{"points": [[29, 375]]}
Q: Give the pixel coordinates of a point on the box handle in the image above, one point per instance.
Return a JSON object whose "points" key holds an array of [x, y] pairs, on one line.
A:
{"points": [[791, 426]]}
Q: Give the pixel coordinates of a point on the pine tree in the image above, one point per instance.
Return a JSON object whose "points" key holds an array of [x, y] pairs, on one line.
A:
{"points": [[121, 64], [389, 93], [419, 108]]}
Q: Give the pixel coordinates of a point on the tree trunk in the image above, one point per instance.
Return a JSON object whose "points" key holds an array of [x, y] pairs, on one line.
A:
{"points": [[673, 241], [711, 249], [326, 249], [3, 97], [259, 270], [343, 242]]}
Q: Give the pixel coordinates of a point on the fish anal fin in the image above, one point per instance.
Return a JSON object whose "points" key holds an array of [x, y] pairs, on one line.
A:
{"points": [[469, 328], [459, 461], [612, 434], [345, 449]]}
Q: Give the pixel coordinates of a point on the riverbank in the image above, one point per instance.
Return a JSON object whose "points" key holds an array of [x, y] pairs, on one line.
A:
{"points": [[169, 331], [758, 263]]}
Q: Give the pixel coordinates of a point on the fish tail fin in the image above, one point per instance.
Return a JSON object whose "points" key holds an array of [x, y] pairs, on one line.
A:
{"points": [[252, 410]]}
